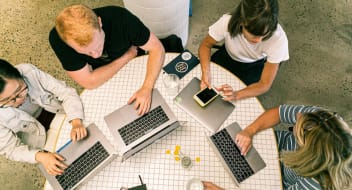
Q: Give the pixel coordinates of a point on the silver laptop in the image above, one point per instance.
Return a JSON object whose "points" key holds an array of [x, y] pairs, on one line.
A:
{"points": [[133, 132], [238, 166], [84, 158], [212, 116]]}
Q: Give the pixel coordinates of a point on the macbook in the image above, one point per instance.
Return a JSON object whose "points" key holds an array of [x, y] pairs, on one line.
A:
{"points": [[133, 132], [238, 166], [85, 158], [212, 116]]}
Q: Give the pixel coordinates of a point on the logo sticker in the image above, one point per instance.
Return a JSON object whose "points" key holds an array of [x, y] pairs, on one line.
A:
{"points": [[181, 67]]}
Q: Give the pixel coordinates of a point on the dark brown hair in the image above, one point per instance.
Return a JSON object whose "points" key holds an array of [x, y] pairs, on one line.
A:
{"points": [[7, 71], [259, 17]]}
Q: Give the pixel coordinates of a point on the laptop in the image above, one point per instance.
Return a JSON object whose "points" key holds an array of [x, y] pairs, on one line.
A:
{"points": [[85, 158], [212, 116], [238, 166], [133, 132]]}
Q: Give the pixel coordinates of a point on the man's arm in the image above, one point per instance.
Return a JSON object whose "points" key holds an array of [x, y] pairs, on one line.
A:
{"points": [[155, 61], [90, 79], [204, 57], [263, 85], [266, 120]]}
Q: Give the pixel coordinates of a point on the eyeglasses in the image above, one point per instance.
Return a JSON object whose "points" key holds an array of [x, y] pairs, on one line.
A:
{"points": [[21, 94]]}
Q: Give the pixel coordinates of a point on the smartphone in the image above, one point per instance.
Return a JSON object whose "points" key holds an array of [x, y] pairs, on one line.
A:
{"points": [[205, 96]]}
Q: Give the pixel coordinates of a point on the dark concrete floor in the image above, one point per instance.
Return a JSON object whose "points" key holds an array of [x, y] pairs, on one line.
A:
{"points": [[319, 71]]}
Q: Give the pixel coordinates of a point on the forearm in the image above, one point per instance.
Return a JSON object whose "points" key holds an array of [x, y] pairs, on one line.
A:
{"points": [[155, 62], [204, 58], [102, 74], [263, 85], [266, 120], [252, 90]]}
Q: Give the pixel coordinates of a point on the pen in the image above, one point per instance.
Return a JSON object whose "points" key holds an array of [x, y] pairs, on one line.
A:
{"points": [[60, 149], [140, 179]]}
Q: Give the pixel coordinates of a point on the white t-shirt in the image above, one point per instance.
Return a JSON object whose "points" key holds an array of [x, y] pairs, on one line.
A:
{"points": [[275, 48]]}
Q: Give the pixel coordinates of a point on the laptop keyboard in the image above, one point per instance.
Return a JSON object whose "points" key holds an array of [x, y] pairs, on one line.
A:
{"points": [[232, 155], [82, 166], [143, 125]]}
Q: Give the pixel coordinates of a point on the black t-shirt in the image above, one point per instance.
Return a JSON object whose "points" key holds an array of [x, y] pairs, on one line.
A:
{"points": [[122, 30]]}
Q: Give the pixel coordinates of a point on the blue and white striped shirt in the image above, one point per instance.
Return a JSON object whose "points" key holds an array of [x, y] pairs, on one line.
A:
{"points": [[287, 142]]}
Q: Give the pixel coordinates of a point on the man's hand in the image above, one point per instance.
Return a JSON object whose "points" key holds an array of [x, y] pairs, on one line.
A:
{"points": [[227, 92], [78, 130], [142, 99], [52, 162], [244, 141], [211, 186]]}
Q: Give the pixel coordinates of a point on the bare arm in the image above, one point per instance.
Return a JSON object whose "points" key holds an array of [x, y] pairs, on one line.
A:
{"points": [[90, 79], [266, 120], [155, 60], [263, 85], [204, 56], [142, 97]]}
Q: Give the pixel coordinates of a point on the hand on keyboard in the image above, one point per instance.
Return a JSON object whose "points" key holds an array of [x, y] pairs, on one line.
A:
{"points": [[244, 141], [52, 162], [142, 100]]}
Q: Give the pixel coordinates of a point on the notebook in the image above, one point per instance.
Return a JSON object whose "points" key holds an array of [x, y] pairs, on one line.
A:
{"points": [[182, 64], [239, 167], [85, 158], [133, 132], [212, 116]]}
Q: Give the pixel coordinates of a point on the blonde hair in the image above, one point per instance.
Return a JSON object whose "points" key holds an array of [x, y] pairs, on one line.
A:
{"points": [[77, 23], [325, 150]]}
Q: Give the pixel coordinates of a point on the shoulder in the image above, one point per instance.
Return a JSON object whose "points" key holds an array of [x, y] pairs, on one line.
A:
{"points": [[225, 19], [26, 67], [288, 113], [53, 35], [279, 34], [7, 115], [298, 108], [220, 26], [110, 10]]}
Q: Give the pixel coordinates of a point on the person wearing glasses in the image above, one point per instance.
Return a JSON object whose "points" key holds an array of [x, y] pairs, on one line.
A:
{"points": [[315, 154], [29, 100], [254, 46]]}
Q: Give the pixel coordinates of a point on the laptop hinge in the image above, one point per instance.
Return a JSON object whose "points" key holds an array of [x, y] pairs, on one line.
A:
{"points": [[150, 140]]}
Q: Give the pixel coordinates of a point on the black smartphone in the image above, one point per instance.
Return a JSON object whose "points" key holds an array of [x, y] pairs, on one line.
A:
{"points": [[205, 96]]}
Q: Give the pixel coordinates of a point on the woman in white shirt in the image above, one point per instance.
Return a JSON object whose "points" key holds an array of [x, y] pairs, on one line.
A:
{"points": [[29, 98], [254, 46]]}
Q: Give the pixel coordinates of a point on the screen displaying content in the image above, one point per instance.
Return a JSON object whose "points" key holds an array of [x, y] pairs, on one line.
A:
{"points": [[205, 96]]}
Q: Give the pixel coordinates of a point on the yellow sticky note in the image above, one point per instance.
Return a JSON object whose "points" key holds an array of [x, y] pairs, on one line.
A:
{"points": [[176, 152], [197, 159]]}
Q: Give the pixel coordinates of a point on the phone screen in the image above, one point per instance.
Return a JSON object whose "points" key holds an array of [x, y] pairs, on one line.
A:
{"points": [[206, 94]]}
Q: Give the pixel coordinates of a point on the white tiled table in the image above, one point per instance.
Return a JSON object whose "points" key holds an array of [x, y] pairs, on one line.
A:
{"points": [[160, 171]]}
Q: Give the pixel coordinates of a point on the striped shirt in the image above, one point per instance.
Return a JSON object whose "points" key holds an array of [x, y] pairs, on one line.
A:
{"points": [[287, 142]]}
